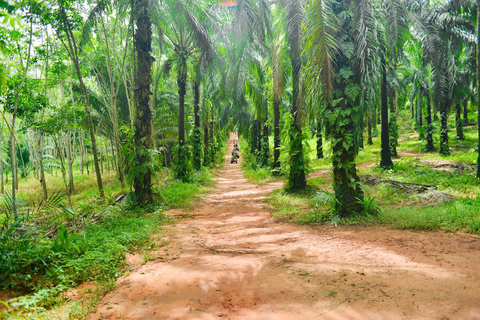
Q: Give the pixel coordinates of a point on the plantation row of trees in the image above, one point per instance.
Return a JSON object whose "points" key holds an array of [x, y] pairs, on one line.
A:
{"points": [[161, 83]]}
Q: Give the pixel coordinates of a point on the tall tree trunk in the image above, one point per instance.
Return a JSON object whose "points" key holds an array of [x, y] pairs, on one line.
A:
{"points": [[458, 121], [265, 143], [196, 139], [444, 148], [206, 141], [276, 134], [319, 139], [386, 158], [430, 146], [72, 49], [143, 114], [182, 90], [297, 179]]}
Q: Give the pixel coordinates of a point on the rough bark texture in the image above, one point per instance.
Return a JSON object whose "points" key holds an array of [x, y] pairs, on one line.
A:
{"points": [[143, 114], [386, 158], [297, 179], [197, 150], [276, 134], [444, 148], [319, 139], [346, 184], [430, 146]]}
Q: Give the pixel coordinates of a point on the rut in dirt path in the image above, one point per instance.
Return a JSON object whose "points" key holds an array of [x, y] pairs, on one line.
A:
{"points": [[233, 261]]}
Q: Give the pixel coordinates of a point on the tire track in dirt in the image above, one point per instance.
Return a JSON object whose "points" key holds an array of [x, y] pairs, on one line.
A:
{"points": [[233, 261]]}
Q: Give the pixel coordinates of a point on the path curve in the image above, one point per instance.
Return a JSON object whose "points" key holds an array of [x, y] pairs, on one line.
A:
{"points": [[233, 261]]}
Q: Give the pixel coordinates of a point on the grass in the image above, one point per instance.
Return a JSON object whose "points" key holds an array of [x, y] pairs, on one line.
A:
{"points": [[96, 253], [50, 264], [461, 215], [398, 209]]}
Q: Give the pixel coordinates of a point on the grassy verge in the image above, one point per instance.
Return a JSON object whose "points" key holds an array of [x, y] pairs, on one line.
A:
{"points": [[252, 171], [43, 266], [178, 194]]}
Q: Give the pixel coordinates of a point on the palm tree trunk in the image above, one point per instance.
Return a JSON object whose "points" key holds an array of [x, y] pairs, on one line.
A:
{"points": [[386, 158], [143, 114], [430, 146], [319, 139], [458, 121], [444, 148], [196, 141], [276, 134], [182, 89]]}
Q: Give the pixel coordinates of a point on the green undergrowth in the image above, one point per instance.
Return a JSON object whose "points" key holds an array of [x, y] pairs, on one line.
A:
{"points": [[44, 261], [411, 170], [389, 206], [179, 194], [252, 171]]}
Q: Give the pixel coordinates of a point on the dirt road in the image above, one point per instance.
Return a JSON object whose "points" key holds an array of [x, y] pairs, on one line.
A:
{"points": [[231, 260]]}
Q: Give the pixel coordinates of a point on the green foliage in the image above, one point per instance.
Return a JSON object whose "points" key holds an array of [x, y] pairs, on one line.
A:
{"points": [[460, 215], [46, 265], [196, 141], [179, 194], [130, 153], [393, 132], [182, 165], [297, 165]]}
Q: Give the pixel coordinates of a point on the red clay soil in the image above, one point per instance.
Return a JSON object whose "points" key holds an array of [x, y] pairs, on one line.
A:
{"points": [[231, 260]]}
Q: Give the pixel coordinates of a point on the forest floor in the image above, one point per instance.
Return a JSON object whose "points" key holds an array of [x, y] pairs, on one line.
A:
{"points": [[227, 258]]}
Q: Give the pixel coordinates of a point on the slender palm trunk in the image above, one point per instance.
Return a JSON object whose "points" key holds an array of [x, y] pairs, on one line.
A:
{"points": [[386, 158], [444, 148], [458, 121], [297, 179], [430, 146], [182, 152], [276, 134], [143, 114], [319, 139], [196, 139]]}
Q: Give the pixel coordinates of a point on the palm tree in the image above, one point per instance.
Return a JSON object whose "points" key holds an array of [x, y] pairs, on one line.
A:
{"points": [[331, 44], [143, 136], [189, 38], [294, 10]]}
